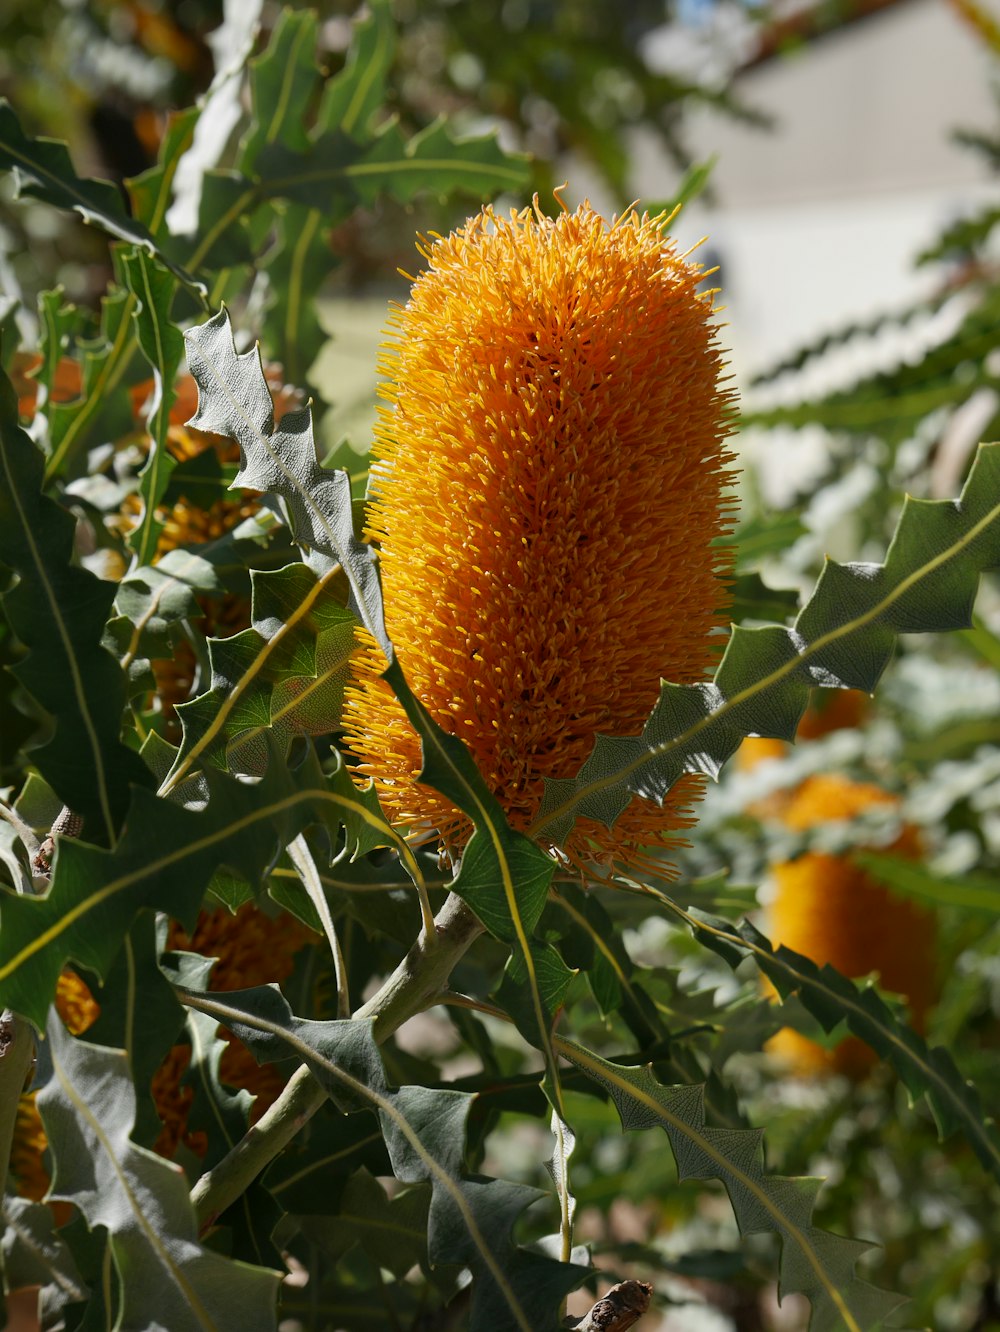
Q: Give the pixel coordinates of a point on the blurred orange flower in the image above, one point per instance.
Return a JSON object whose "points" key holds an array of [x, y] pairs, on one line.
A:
{"points": [[828, 908]]}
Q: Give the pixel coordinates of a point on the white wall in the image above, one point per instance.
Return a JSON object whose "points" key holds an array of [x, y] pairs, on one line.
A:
{"points": [[819, 219]]}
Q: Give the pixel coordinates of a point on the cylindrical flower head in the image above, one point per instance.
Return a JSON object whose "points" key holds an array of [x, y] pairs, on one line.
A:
{"points": [[828, 908], [547, 485]]}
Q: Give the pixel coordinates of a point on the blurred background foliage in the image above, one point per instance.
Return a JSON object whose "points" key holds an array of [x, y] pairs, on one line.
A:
{"points": [[554, 76], [917, 866]]}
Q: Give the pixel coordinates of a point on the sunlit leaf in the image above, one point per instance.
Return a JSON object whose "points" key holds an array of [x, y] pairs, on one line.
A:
{"points": [[102, 402], [502, 876], [283, 83], [281, 457], [283, 676]]}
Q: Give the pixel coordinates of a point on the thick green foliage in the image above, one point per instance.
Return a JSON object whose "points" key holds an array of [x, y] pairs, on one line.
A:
{"points": [[257, 809]]}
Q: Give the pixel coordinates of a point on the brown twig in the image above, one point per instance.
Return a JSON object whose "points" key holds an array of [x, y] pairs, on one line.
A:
{"points": [[618, 1309]]}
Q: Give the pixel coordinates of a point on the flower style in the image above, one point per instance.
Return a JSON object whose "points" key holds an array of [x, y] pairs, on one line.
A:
{"points": [[828, 908], [549, 487]]}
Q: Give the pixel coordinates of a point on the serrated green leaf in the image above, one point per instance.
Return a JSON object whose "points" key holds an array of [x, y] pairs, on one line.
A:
{"points": [[502, 876], [58, 611], [221, 1113], [291, 331], [392, 1232], [42, 169], [432, 160], [304, 1175], [102, 401], [88, 1106], [595, 947], [843, 638], [283, 676], [59, 324], [152, 598], [281, 457], [153, 289], [140, 1015], [892, 402], [164, 862], [150, 191], [227, 201], [352, 97], [337, 173], [470, 1219], [814, 1262], [283, 82], [303, 256], [862, 328], [832, 998]]}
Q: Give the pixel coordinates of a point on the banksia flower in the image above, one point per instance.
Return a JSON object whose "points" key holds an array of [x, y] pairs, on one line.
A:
{"points": [[548, 484], [251, 949], [828, 908]]}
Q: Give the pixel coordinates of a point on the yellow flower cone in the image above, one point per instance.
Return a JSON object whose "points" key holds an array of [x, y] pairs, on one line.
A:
{"points": [[549, 478], [828, 908]]}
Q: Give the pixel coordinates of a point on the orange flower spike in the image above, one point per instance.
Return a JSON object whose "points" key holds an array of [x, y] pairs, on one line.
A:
{"points": [[828, 908], [548, 480]]}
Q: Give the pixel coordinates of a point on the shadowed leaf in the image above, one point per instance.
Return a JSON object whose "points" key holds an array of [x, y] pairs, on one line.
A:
{"points": [[153, 288], [58, 611], [164, 862], [42, 169], [470, 1219], [88, 1106]]}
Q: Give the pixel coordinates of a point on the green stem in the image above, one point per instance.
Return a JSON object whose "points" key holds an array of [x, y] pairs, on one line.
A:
{"points": [[418, 982], [17, 1046]]}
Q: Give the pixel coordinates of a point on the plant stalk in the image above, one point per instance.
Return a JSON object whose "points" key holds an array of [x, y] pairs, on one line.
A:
{"points": [[416, 984], [17, 1047]]}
